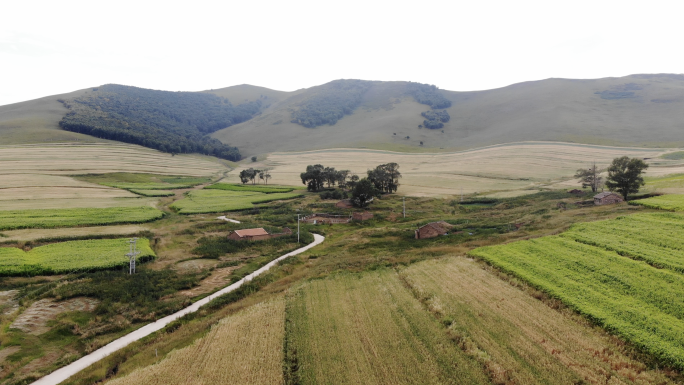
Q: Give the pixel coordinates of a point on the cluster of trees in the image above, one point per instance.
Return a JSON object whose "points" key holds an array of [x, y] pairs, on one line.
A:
{"points": [[435, 119], [382, 179], [252, 175], [174, 122], [331, 103], [316, 176], [624, 176], [429, 95]]}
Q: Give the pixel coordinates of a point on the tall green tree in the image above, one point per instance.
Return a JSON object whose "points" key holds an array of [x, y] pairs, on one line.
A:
{"points": [[363, 193], [590, 177], [624, 175]]}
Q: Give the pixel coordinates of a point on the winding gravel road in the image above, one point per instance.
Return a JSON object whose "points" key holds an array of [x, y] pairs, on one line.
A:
{"points": [[62, 374]]}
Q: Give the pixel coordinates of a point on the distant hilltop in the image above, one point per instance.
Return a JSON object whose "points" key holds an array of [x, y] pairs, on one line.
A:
{"points": [[241, 121]]}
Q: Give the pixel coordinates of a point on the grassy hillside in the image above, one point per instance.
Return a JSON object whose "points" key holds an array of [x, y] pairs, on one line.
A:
{"points": [[637, 110]]}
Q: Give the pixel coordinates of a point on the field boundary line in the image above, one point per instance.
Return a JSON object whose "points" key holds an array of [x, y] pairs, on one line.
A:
{"points": [[65, 372]]}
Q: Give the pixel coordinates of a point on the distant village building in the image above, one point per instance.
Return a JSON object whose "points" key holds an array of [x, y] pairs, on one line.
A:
{"points": [[364, 216], [257, 234], [607, 198], [433, 229]]}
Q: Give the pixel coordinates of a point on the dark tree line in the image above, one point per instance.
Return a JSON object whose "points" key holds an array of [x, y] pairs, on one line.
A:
{"points": [[331, 103], [435, 119], [385, 177], [317, 176], [175, 122], [429, 95]]}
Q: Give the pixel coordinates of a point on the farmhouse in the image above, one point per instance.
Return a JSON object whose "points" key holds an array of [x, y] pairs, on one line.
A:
{"points": [[257, 234], [433, 229], [607, 198]]}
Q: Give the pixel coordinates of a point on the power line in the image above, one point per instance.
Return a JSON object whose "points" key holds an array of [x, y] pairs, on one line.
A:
{"points": [[131, 255]]}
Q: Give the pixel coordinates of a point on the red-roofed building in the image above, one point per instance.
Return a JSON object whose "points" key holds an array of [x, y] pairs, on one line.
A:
{"points": [[256, 234]]}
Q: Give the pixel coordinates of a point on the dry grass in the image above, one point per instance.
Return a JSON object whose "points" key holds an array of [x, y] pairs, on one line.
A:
{"points": [[518, 166], [520, 339], [34, 320], [244, 348], [70, 159], [368, 329]]}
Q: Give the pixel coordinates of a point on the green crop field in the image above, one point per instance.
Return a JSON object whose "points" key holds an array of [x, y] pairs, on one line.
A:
{"points": [[214, 201], [248, 187], [642, 304], [72, 256], [664, 202], [150, 186], [153, 193], [657, 238], [50, 218], [368, 329]]}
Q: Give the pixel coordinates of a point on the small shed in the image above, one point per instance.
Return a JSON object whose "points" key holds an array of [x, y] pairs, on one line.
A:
{"points": [[607, 198], [433, 229], [364, 216], [249, 235]]}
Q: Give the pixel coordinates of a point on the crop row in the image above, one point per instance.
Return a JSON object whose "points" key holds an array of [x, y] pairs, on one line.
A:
{"points": [[214, 201], [153, 193], [642, 304], [672, 202], [657, 238], [247, 187], [150, 186], [51, 218], [69, 257]]}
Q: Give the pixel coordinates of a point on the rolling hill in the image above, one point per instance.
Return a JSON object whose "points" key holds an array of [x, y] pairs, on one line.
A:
{"points": [[636, 110]]}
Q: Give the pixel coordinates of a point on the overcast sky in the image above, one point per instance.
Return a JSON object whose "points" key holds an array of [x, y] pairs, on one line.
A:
{"points": [[52, 47]]}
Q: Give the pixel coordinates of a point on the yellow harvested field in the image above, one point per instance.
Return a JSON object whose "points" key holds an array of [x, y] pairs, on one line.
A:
{"points": [[369, 329], [70, 159], [516, 166], [34, 234], [518, 338], [244, 348]]}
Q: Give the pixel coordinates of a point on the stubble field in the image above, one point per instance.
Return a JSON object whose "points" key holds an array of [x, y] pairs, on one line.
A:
{"points": [[518, 167]]}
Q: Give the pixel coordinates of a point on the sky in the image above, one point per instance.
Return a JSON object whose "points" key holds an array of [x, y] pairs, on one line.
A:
{"points": [[53, 47]]}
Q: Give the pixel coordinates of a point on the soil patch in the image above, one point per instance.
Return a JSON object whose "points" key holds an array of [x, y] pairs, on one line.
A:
{"points": [[34, 319], [218, 278], [8, 304]]}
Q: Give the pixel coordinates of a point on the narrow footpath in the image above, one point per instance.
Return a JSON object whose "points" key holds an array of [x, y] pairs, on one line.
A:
{"points": [[62, 374]]}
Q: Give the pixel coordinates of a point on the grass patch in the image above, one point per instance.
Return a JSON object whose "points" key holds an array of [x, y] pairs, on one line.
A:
{"points": [[671, 202], [51, 218], [70, 257], [216, 201], [247, 187]]}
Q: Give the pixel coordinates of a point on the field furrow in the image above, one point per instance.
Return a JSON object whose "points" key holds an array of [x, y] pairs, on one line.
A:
{"points": [[368, 329], [518, 338], [244, 348]]}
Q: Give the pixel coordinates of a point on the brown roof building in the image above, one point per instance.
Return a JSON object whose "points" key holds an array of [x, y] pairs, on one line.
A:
{"points": [[433, 229], [249, 234], [364, 216], [607, 198]]}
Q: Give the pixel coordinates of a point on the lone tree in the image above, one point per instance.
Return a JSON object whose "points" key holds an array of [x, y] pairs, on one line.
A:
{"points": [[363, 193], [624, 175], [590, 177], [385, 177]]}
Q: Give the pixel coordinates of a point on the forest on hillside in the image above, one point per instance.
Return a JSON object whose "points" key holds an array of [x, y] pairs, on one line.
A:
{"points": [[174, 122], [332, 102]]}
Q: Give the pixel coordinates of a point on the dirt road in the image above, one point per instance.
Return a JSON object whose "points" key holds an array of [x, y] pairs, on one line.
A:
{"points": [[62, 374]]}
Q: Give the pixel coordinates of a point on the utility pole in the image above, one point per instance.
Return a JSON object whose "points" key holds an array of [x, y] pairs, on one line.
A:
{"points": [[131, 255], [298, 228], [404, 201]]}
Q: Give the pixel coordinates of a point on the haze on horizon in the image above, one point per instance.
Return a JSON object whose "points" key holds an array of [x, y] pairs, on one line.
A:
{"points": [[49, 48]]}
